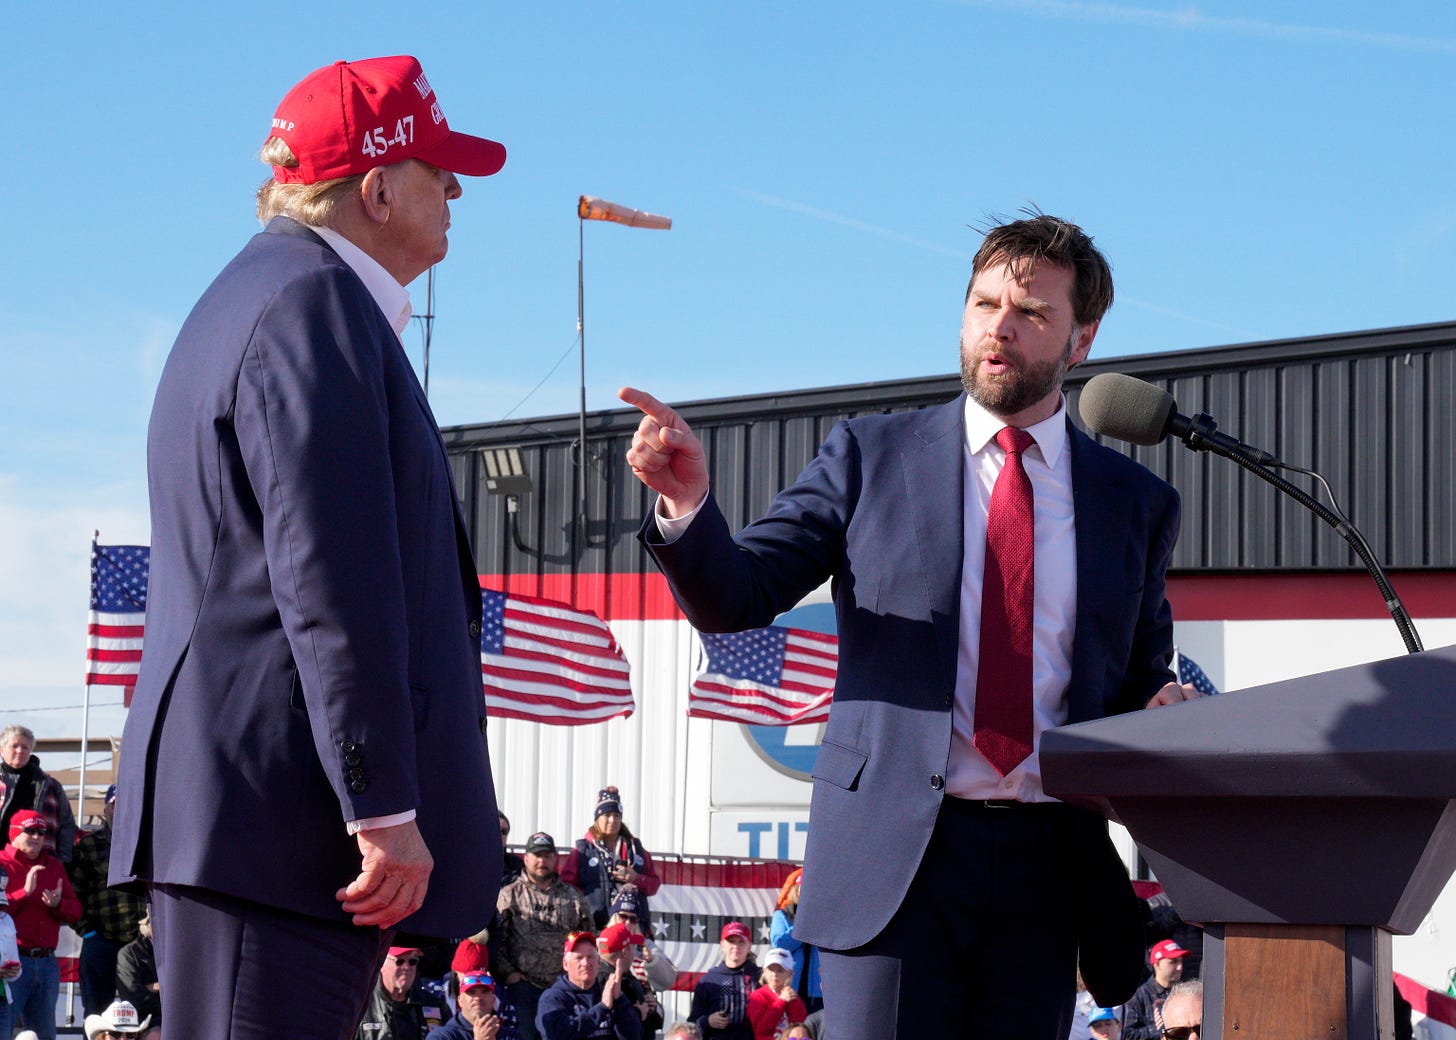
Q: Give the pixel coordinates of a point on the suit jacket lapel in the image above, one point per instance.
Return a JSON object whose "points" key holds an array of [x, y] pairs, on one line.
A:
{"points": [[934, 474], [469, 578]]}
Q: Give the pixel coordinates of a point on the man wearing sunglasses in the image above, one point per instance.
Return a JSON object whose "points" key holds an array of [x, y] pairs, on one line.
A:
{"points": [[1183, 1011], [396, 1011], [41, 900]]}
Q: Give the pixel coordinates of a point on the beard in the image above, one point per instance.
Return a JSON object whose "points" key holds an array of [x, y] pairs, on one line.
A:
{"points": [[1020, 386]]}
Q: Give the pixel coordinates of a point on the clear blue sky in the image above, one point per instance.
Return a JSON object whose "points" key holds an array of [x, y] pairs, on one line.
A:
{"points": [[1254, 171]]}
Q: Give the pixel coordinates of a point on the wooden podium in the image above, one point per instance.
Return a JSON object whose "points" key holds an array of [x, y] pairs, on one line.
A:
{"points": [[1301, 823]]}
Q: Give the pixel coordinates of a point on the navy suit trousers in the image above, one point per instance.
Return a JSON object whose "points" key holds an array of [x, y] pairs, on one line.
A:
{"points": [[230, 969], [985, 943]]}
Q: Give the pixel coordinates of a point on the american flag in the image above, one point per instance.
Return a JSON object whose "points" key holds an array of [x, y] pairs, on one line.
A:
{"points": [[1189, 672], [549, 662], [765, 677], [118, 614]]}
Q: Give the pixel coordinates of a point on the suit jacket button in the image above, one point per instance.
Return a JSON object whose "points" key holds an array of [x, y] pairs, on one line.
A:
{"points": [[475, 630], [359, 786], [483, 725], [352, 759], [348, 747], [937, 781]]}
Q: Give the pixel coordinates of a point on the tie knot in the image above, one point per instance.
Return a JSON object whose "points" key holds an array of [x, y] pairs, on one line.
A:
{"points": [[1014, 441]]}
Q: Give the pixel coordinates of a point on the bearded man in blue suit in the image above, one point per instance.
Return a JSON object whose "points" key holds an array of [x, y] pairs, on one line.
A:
{"points": [[969, 912], [309, 710]]}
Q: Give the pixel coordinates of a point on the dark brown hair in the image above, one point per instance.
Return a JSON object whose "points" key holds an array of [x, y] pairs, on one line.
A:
{"points": [[1038, 237]]}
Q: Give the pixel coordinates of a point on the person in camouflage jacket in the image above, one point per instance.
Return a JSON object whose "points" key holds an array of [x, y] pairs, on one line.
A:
{"points": [[534, 914]]}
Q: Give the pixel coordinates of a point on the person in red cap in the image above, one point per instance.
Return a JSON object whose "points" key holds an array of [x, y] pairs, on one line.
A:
{"points": [[398, 1009], [41, 900], [480, 1016], [581, 1006], [1142, 1018], [720, 1000], [472, 960], [618, 946], [308, 710]]}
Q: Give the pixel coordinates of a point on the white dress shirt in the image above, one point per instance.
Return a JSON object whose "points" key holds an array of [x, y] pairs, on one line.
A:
{"points": [[1048, 465], [393, 299]]}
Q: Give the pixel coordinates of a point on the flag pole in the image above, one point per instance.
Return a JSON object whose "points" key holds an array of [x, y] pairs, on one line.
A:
{"points": [[86, 698], [580, 524]]}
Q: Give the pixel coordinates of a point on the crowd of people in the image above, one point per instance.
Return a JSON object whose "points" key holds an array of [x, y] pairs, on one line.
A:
{"points": [[51, 879], [568, 955]]}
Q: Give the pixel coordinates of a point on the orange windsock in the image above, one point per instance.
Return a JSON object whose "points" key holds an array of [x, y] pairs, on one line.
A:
{"points": [[590, 208]]}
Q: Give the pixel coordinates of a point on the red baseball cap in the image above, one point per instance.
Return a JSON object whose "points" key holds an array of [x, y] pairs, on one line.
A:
{"points": [[736, 930], [575, 939], [617, 937], [470, 980], [1165, 950], [349, 117], [28, 819]]}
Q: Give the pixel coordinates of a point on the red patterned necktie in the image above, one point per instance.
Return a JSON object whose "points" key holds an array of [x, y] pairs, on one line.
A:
{"points": [[1003, 676]]}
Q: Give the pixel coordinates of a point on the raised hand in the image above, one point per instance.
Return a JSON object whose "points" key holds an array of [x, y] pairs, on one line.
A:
{"points": [[665, 454]]}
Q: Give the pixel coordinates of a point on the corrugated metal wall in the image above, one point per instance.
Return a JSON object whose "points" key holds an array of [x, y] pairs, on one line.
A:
{"points": [[1372, 412]]}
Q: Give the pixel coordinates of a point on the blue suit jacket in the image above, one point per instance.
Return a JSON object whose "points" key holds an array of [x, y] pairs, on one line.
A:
{"points": [[312, 651], [878, 511]]}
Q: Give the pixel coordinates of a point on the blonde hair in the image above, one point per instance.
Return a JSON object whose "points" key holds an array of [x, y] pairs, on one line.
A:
{"points": [[17, 730], [312, 204]]}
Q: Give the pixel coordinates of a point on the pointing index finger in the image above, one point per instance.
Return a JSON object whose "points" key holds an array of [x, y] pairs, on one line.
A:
{"points": [[649, 406]]}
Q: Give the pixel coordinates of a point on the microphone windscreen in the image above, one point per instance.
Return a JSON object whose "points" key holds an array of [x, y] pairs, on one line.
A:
{"points": [[1129, 409]]}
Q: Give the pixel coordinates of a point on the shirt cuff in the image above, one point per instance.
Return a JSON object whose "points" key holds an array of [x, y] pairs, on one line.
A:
{"points": [[370, 823], [671, 528]]}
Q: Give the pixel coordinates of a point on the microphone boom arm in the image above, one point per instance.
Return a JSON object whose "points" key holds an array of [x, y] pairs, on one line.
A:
{"points": [[1352, 536]]}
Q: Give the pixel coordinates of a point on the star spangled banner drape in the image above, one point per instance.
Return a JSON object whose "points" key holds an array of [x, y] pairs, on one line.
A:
{"points": [[545, 661], [118, 614], [771, 676], [699, 895]]}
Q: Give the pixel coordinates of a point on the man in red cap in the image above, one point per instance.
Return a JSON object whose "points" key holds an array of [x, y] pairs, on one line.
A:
{"points": [[397, 1009], [720, 1000], [480, 1017], [308, 709], [581, 1006], [41, 900], [618, 945], [1142, 1019]]}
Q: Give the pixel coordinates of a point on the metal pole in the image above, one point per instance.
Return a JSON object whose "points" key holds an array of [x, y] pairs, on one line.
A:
{"points": [[581, 415]]}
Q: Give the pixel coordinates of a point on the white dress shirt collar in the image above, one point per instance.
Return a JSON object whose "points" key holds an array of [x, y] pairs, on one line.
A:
{"points": [[1050, 434], [392, 298]]}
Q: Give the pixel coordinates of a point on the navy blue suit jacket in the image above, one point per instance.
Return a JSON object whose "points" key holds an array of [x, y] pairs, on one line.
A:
{"points": [[312, 651], [879, 511]]}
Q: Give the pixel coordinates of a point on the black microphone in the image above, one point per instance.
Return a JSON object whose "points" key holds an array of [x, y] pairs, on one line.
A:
{"points": [[1130, 409]]}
